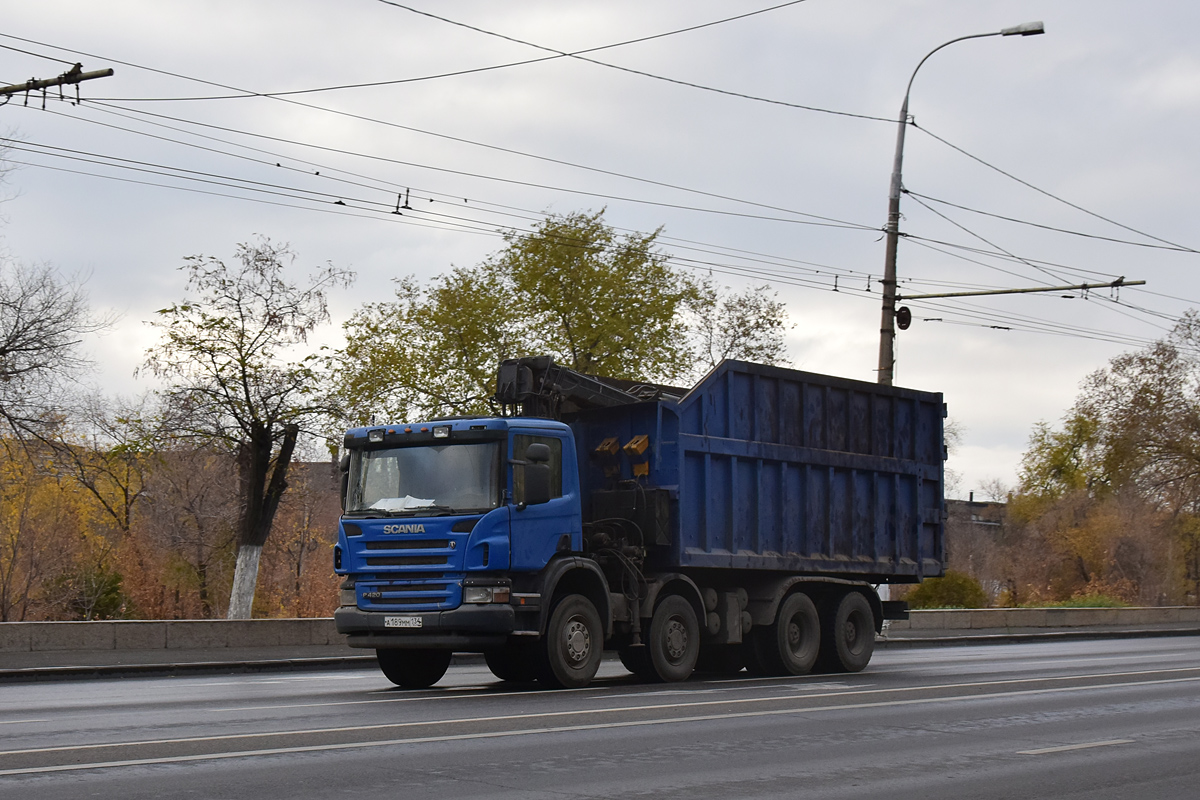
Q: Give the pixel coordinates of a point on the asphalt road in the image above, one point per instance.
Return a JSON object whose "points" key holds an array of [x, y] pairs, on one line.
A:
{"points": [[1091, 719]]}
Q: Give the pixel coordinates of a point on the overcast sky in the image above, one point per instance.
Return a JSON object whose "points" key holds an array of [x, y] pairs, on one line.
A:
{"points": [[1101, 112]]}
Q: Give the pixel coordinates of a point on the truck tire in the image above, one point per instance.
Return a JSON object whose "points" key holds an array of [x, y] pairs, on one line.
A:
{"points": [[790, 645], [414, 669], [721, 659], [517, 663], [797, 634], [674, 642], [573, 644], [847, 634]]}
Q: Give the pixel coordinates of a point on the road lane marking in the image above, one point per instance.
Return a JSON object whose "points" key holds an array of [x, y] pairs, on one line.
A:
{"points": [[517, 732], [591, 711], [1066, 747], [470, 693], [20, 721]]}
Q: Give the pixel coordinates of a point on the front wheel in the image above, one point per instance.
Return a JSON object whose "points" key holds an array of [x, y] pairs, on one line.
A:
{"points": [[573, 645], [674, 642], [414, 669]]}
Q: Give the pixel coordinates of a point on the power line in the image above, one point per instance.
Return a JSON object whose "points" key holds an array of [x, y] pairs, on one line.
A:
{"points": [[1039, 190], [970, 232], [448, 137], [821, 221], [457, 73], [644, 74], [1047, 227], [525, 214], [1033, 325]]}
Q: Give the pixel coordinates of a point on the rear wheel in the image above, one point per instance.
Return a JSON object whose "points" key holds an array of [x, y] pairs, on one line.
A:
{"points": [[573, 645], [515, 662], [414, 669], [847, 635], [797, 634], [674, 641]]}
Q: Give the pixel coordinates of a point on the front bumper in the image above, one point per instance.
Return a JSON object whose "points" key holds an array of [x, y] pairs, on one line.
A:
{"points": [[468, 628]]}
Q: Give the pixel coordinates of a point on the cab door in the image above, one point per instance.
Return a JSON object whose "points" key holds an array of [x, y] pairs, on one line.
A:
{"points": [[538, 531]]}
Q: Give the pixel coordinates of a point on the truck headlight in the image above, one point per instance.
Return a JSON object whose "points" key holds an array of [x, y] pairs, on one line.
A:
{"points": [[348, 598], [485, 594]]}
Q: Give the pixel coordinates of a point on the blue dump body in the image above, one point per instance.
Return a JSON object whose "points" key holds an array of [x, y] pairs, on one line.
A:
{"points": [[776, 469]]}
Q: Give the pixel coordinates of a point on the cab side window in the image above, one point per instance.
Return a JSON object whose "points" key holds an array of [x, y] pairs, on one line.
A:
{"points": [[521, 441]]}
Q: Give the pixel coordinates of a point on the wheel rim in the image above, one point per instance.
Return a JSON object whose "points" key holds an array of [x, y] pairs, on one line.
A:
{"points": [[853, 633], [795, 635], [577, 640], [675, 639]]}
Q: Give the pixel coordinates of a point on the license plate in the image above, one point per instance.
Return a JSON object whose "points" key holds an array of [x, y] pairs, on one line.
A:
{"points": [[402, 622]]}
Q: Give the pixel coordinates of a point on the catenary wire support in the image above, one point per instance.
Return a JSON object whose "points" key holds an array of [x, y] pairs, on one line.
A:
{"points": [[75, 75]]}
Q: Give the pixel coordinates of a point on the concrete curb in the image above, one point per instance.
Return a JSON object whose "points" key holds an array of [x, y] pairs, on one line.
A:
{"points": [[52, 673], [25, 674]]}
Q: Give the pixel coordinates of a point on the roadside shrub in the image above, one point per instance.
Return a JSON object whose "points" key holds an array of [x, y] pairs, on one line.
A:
{"points": [[1088, 601], [955, 590]]}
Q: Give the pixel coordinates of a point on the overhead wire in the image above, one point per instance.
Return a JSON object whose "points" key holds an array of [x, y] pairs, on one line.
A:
{"points": [[740, 95], [448, 137], [457, 73], [704, 265], [1051, 195], [1046, 227], [986, 241], [1029, 324]]}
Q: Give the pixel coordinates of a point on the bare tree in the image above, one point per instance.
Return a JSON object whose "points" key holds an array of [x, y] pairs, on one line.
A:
{"points": [[43, 319], [748, 326], [232, 384]]}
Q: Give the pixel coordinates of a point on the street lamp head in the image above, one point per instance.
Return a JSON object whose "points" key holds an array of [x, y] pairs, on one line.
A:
{"points": [[1028, 29]]}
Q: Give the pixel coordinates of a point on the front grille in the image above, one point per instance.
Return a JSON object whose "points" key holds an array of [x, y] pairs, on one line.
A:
{"points": [[428, 595], [409, 544], [407, 561]]}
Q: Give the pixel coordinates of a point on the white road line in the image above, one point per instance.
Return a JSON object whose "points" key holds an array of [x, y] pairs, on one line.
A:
{"points": [[590, 711], [469, 693], [1066, 747], [525, 732], [20, 721]]}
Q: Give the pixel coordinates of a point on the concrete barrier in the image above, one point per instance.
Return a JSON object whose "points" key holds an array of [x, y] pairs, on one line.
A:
{"points": [[217, 634], [191, 634], [1056, 618]]}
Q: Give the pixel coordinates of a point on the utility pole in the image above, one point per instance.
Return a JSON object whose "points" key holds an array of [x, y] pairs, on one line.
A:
{"points": [[887, 325], [75, 75]]}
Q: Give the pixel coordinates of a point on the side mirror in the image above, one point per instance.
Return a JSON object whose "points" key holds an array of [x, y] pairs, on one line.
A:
{"points": [[538, 453], [534, 486], [344, 482]]}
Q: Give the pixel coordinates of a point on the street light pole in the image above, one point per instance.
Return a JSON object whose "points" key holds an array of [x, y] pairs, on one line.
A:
{"points": [[887, 326]]}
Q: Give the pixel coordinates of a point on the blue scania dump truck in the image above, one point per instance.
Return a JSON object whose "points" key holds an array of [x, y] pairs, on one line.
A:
{"points": [[744, 523]]}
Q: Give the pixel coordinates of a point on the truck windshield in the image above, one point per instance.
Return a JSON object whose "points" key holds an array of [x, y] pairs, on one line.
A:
{"points": [[409, 481]]}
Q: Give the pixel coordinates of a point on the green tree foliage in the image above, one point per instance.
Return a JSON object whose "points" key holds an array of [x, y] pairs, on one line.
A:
{"points": [[598, 302], [225, 352], [954, 590]]}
